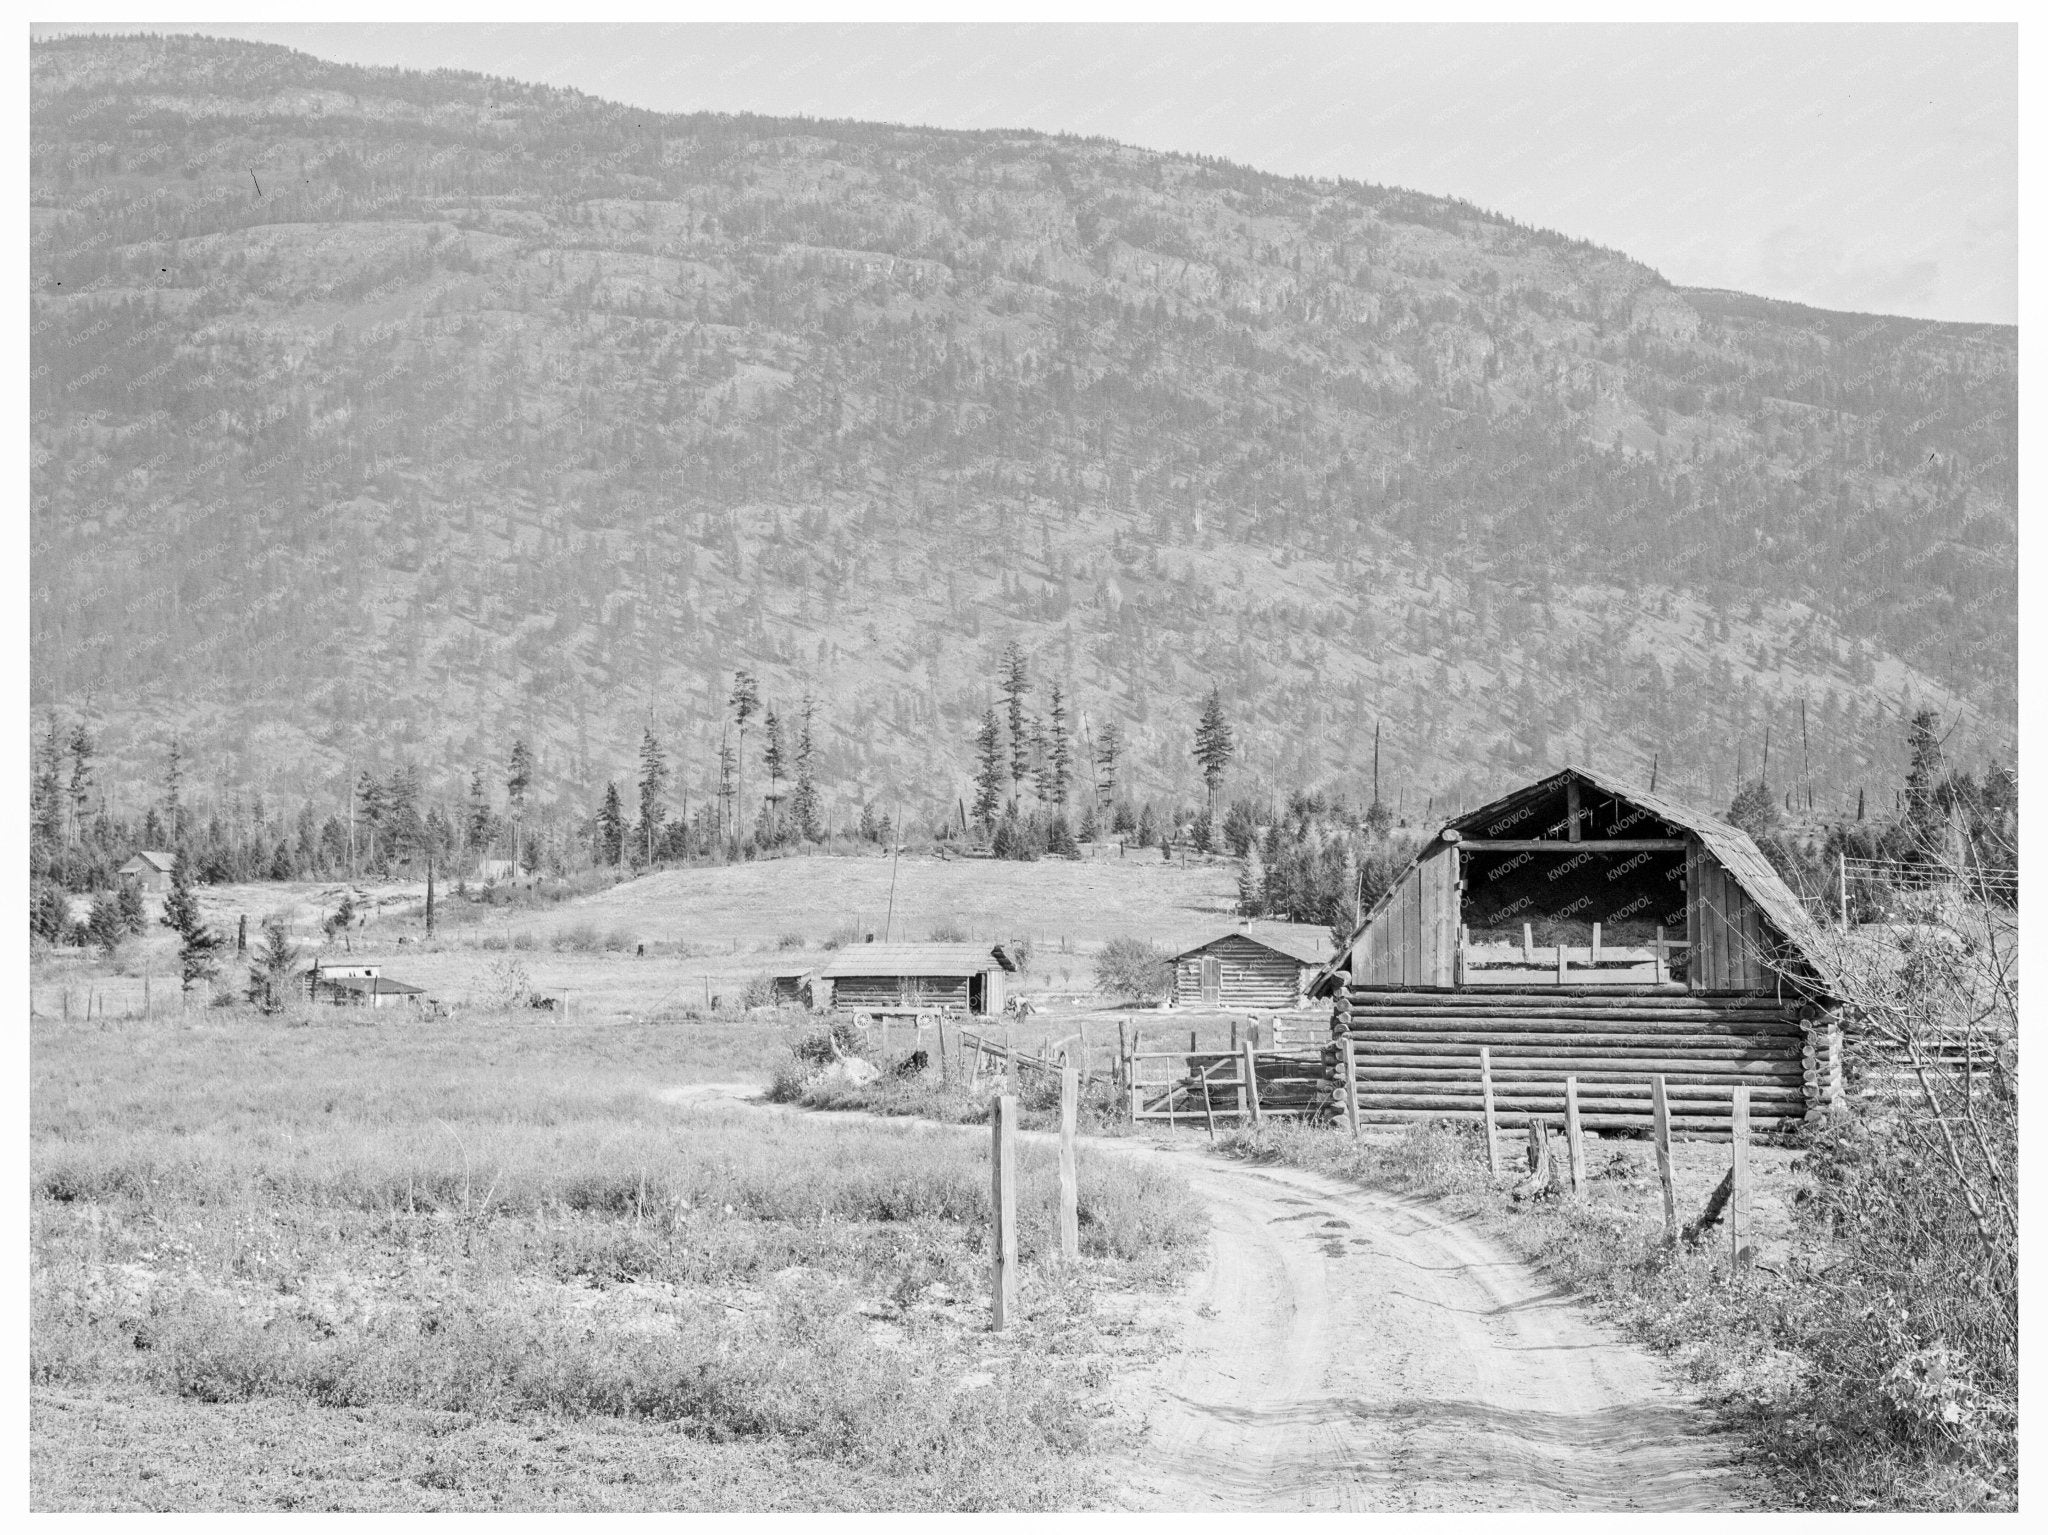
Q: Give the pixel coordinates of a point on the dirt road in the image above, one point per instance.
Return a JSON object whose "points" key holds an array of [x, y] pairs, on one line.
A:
{"points": [[1344, 1349], [1351, 1350]]}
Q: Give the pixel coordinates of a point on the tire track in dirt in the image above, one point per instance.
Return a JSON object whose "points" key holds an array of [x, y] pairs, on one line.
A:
{"points": [[1351, 1350], [1348, 1349]]}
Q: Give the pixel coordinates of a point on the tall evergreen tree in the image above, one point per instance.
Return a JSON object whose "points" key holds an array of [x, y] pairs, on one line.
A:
{"points": [[1925, 820], [83, 749], [1059, 748], [611, 827], [774, 758], [477, 816], [1015, 685], [1214, 746], [46, 789], [803, 804], [174, 795], [1109, 755], [518, 781], [988, 776], [653, 779], [745, 703]]}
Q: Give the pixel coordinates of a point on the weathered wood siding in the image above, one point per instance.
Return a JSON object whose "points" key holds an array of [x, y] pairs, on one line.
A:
{"points": [[1254, 976], [1724, 927], [865, 993], [1412, 939], [1418, 1055]]}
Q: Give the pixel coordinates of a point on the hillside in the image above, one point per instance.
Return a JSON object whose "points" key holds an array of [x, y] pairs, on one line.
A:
{"points": [[382, 417]]}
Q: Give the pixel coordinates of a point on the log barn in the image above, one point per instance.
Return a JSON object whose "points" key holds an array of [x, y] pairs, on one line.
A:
{"points": [[1253, 965], [1580, 927], [918, 977]]}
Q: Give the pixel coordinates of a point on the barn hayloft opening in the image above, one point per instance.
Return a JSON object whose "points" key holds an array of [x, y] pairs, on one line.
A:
{"points": [[1565, 865]]}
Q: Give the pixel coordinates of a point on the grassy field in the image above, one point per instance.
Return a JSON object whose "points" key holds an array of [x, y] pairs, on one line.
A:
{"points": [[493, 1263], [707, 931]]}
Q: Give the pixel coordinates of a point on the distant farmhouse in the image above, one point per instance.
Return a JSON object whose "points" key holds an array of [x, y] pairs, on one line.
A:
{"points": [[354, 983], [149, 871], [916, 977], [1254, 965]]}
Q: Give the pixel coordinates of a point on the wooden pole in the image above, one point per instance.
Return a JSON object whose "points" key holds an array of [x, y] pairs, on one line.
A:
{"points": [[1738, 1194], [1233, 1036], [1660, 1129], [145, 996], [1657, 961], [67, 1004], [1208, 1107], [1486, 1098], [1560, 962], [1251, 1084], [1070, 1185], [1350, 1086], [1084, 1052], [1842, 884], [885, 1042], [1596, 946], [1003, 1209], [945, 1067], [1528, 945], [1574, 1136]]}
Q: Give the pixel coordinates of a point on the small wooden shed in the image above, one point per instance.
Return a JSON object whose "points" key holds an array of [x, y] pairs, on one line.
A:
{"points": [[1253, 965], [1582, 927], [149, 870], [918, 977], [357, 983]]}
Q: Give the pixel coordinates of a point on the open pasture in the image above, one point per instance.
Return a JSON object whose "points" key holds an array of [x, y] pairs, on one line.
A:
{"points": [[498, 1229]]}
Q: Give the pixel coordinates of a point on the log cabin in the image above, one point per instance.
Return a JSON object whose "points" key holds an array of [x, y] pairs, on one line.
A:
{"points": [[1581, 927], [917, 977], [1255, 965]]}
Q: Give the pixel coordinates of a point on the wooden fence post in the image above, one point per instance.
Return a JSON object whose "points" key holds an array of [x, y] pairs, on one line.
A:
{"points": [[1084, 1051], [885, 1042], [1528, 945], [1123, 1051], [145, 996], [1350, 1085], [945, 1071], [1251, 1084], [1486, 1100], [1574, 1136], [1208, 1106], [1738, 1192], [1003, 1209], [67, 1004], [1233, 1036], [1560, 962], [1660, 1129], [1070, 1184], [1596, 946]]}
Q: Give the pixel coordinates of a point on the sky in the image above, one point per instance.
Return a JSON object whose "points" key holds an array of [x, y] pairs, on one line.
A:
{"points": [[1865, 167]]}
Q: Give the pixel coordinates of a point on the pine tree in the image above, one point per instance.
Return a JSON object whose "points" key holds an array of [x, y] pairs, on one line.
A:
{"points": [[803, 803], [174, 788], [774, 759], [1060, 749], [46, 789], [1251, 883], [270, 976], [82, 750], [518, 780], [988, 777], [1015, 686], [197, 943], [1925, 822], [745, 702], [130, 899], [653, 779], [477, 818], [1109, 752], [105, 927], [611, 827], [1213, 744]]}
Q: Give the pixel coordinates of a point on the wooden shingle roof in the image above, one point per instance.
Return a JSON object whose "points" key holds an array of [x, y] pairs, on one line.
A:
{"points": [[1299, 941], [949, 959]]}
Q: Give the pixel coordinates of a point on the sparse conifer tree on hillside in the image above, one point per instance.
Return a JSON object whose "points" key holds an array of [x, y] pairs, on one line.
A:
{"points": [[1014, 683], [518, 780], [611, 827], [803, 803]]}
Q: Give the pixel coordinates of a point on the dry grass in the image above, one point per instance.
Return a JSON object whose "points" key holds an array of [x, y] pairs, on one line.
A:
{"points": [[511, 1224]]}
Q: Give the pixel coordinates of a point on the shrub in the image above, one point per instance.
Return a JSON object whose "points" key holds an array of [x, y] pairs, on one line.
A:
{"points": [[790, 941], [950, 930], [759, 991], [1132, 968]]}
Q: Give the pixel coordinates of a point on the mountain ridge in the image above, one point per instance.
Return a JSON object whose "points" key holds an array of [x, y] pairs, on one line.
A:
{"points": [[523, 413]]}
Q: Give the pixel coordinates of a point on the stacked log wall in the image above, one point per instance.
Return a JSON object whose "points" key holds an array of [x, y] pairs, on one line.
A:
{"points": [[1254, 976], [1418, 1055], [868, 993]]}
